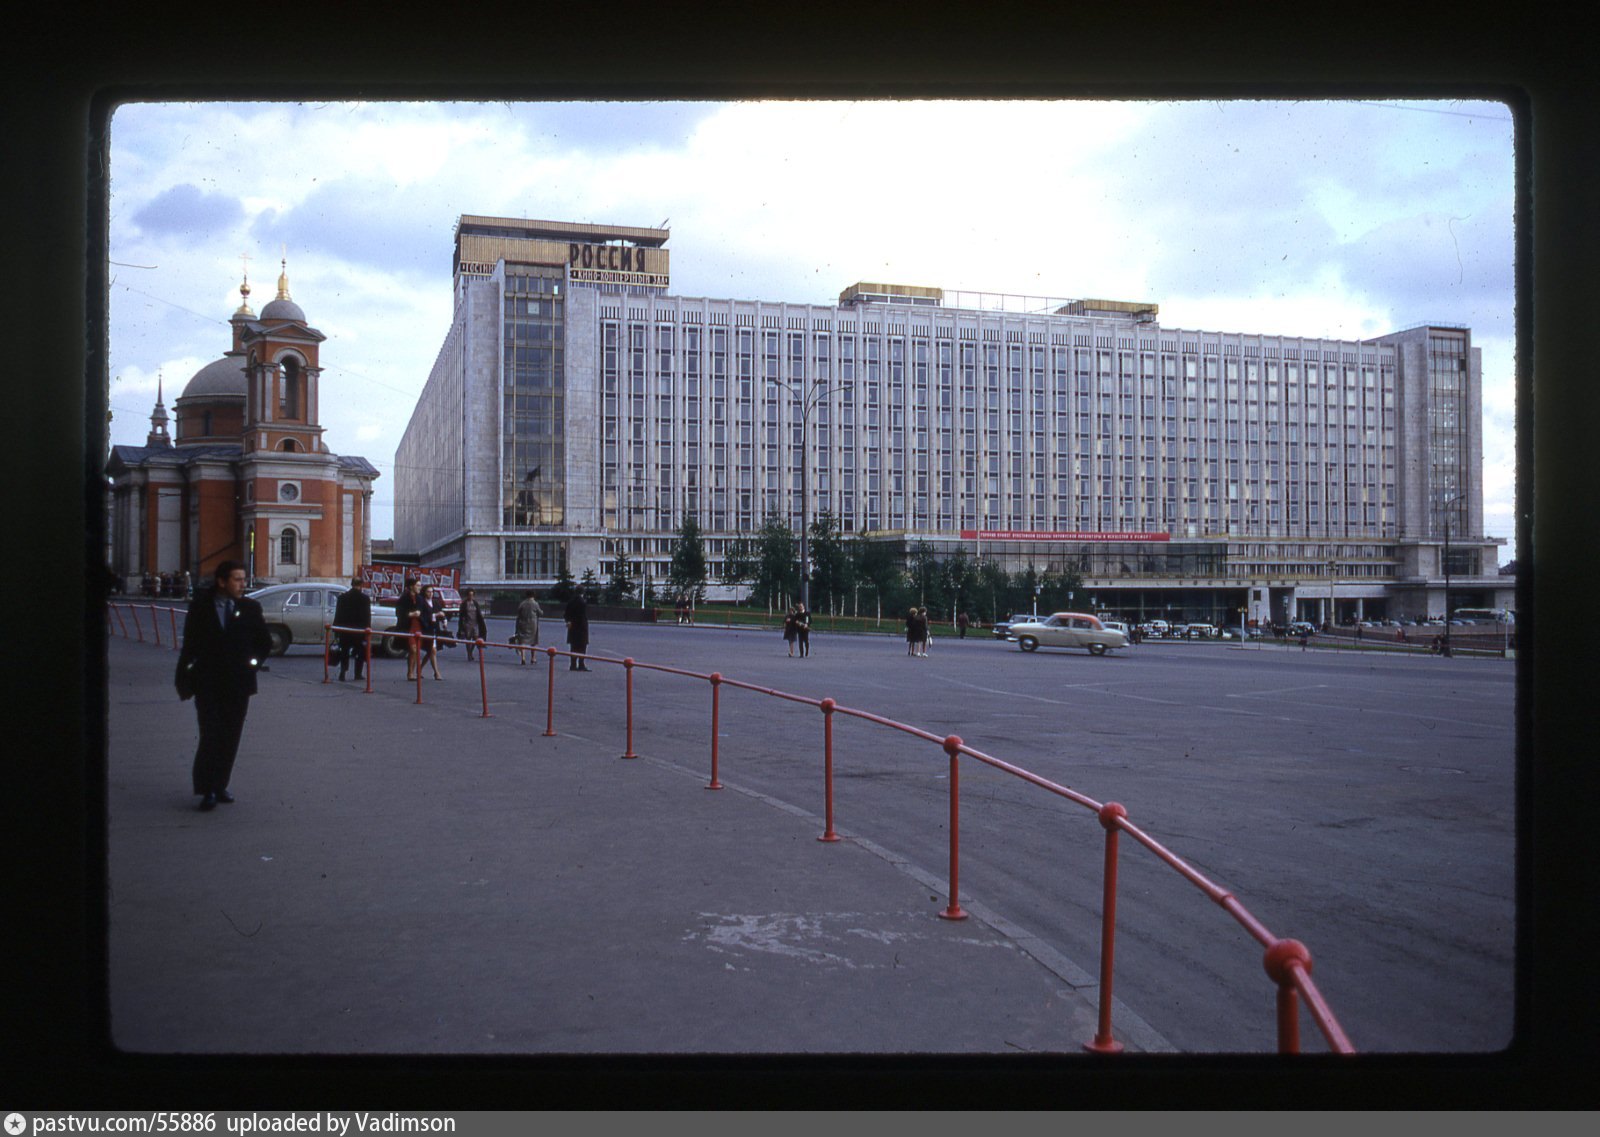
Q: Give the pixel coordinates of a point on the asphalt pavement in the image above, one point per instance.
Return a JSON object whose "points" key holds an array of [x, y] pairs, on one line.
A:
{"points": [[405, 878]]}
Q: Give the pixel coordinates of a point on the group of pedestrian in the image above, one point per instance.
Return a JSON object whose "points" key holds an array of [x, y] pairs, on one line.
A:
{"points": [[917, 632], [685, 611], [797, 630], [420, 613], [166, 584]]}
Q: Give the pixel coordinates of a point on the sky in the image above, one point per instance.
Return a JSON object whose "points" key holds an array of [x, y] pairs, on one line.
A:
{"points": [[1343, 219]]}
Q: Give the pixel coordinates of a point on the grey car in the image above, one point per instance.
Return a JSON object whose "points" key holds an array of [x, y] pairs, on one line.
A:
{"points": [[296, 614]]}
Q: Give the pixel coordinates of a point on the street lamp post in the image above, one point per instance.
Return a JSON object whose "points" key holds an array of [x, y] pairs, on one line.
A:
{"points": [[1448, 502], [810, 392]]}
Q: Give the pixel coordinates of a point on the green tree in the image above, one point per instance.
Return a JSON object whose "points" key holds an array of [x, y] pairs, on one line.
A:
{"points": [[776, 575], [564, 585], [619, 585], [686, 576], [830, 567], [738, 561], [590, 585], [880, 573], [993, 592]]}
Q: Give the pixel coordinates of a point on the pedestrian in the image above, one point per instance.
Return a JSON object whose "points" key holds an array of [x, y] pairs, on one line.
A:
{"points": [[432, 613], [352, 610], [924, 632], [577, 617], [962, 621], [225, 639], [682, 610], [911, 632], [408, 617], [802, 629], [470, 624], [791, 630], [526, 637]]}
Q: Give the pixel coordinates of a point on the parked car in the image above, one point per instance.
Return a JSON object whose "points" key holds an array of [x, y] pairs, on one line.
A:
{"points": [[1070, 629], [295, 614], [1302, 628], [1199, 632], [1118, 626], [452, 603], [1002, 628], [1156, 628]]}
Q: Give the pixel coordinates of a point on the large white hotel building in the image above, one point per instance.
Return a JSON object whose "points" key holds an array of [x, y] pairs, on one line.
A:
{"points": [[578, 408]]}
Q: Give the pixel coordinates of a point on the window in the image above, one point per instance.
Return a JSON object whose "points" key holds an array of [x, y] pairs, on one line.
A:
{"points": [[286, 547]]}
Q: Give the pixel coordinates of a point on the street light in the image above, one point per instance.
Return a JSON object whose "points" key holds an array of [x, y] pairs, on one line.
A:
{"points": [[809, 392], [1447, 503]]}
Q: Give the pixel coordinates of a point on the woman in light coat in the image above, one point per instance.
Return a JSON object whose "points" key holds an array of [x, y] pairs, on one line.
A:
{"points": [[527, 633]]}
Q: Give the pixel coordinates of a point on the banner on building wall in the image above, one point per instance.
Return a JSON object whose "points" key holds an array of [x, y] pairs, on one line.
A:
{"points": [[390, 579], [1057, 535]]}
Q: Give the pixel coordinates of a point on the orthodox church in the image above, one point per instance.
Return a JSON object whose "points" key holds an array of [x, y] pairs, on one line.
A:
{"points": [[244, 473]]}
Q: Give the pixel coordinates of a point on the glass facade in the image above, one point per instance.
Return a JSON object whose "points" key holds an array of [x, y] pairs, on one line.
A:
{"points": [[533, 487]]}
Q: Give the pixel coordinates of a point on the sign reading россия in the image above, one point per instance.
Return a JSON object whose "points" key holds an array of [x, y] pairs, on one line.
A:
{"points": [[1056, 535]]}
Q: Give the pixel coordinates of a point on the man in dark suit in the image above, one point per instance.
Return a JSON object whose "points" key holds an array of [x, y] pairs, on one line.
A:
{"points": [[577, 617], [353, 610], [224, 641]]}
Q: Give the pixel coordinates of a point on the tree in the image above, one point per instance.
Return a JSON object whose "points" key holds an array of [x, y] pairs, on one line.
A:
{"points": [[878, 569], [776, 576], [564, 585], [686, 576], [591, 586], [619, 586], [830, 567], [738, 561]]}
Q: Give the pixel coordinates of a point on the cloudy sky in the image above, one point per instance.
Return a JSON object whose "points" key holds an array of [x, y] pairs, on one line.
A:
{"points": [[1342, 219]]}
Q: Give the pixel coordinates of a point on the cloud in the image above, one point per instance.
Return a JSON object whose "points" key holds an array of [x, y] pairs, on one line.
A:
{"points": [[190, 211]]}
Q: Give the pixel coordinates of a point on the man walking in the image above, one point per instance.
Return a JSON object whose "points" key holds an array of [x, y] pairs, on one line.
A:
{"points": [[224, 641], [577, 617], [352, 610]]}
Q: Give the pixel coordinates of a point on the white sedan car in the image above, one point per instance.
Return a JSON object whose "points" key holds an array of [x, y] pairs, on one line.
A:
{"points": [[296, 613], [1070, 629]]}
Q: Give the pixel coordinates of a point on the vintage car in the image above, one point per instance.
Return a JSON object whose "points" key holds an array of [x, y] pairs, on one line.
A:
{"points": [[1006, 629], [295, 614], [1070, 629]]}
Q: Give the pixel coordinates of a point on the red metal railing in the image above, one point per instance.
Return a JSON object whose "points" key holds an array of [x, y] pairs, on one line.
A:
{"points": [[1287, 962]]}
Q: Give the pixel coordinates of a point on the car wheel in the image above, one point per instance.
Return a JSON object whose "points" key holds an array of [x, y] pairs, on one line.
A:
{"points": [[394, 647], [1097, 649], [280, 639], [1028, 643]]}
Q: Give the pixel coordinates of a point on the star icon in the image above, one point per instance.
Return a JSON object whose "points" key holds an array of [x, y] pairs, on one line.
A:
{"points": [[16, 1124]]}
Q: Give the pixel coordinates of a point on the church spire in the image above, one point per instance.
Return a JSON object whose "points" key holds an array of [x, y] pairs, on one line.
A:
{"points": [[283, 277], [244, 289], [158, 435]]}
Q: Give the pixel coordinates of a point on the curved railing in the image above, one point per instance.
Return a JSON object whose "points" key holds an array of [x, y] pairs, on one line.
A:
{"points": [[1287, 962]]}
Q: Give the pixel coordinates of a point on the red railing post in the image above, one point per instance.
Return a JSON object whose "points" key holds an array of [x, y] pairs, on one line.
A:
{"points": [[827, 706], [1282, 960], [1110, 814], [627, 666], [550, 698], [173, 612], [138, 627], [367, 647], [327, 639], [155, 623], [121, 623], [716, 698], [483, 679], [952, 747]]}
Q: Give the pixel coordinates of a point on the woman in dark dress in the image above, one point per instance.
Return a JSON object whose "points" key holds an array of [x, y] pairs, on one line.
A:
{"points": [[432, 613]]}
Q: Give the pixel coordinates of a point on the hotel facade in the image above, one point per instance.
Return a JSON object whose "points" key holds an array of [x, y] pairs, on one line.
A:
{"points": [[578, 409]]}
